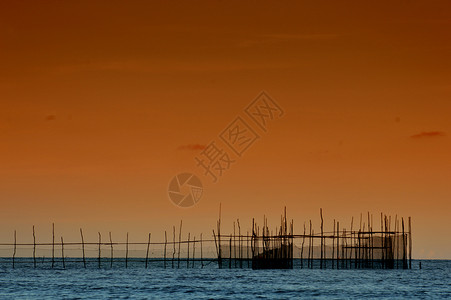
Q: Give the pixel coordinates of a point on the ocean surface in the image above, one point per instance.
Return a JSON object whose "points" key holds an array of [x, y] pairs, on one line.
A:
{"points": [[433, 281]]}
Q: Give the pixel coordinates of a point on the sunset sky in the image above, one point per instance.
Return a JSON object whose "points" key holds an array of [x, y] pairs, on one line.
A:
{"points": [[103, 102]]}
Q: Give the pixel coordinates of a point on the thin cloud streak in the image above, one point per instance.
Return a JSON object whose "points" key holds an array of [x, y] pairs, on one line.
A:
{"points": [[192, 147], [428, 134]]}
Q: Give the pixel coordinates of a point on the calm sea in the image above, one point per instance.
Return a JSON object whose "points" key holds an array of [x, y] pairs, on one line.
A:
{"points": [[26, 282]]}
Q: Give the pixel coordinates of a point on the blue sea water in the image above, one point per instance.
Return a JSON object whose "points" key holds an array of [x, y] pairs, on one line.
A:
{"points": [[136, 282]]}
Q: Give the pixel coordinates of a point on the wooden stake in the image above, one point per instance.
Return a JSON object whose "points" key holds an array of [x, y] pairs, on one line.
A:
{"points": [[333, 246], [111, 254], [313, 241], [230, 254], [83, 248], [173, 245], [382, 243], [201, 255], [126, 252], [194, 250], [147, 252], [100, 241], [62, 252], [34, 248], [252, 238], [338, 245], [180, 242], [397, 244], [165, 243], [352, 243], [322, 233], [234, 244], [345, 255], [404, 248], [187, 256], [219, 239], [410, 243], [247, 249], [216, 244], [53, 244], [310, 247], [239, 244], [15, 243], [302, 248]]}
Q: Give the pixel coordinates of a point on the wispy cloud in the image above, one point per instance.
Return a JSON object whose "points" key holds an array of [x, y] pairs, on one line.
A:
{"points": [[428, 134], [284, 38], [168, 66], [191, 147]]}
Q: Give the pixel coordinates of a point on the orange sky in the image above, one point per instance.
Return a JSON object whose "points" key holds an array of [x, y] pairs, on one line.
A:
{"points": [[98, 98]]}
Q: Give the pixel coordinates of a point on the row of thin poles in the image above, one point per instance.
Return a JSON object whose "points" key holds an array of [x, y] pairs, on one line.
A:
{"points": [[175, 261], [358, 248], [236, 254], [355, 248], [276, 246], [363, 247]]}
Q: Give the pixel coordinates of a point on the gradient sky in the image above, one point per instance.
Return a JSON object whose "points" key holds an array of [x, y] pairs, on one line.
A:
{"points": [[101, 102]]}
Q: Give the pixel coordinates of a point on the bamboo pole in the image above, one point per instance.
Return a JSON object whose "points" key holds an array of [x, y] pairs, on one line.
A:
{"points": [[302, 248], [216, 245], [247, 248], [14, 252], [382, 243], [404, 256], [333, 247], [397, 244], [234, 244], [309, 245], [53, 245], [352, 243], [173, 246], [291, 242], [219, 239], [187, 256], [363, 248], [111, 253], [313, 241], [390, 249], [194, 251], [62, 252], [410, 243], [343, 241], [34, 248], [100, 241], [345, 254], [147, 251], [322, 234], [386, 241], [253, 241], [230, 252], [239, 244], [126, 252], [338, 245], [369, 248], [372, 242], [83, 248], [165, 244], [201, 255], [180, 242]]}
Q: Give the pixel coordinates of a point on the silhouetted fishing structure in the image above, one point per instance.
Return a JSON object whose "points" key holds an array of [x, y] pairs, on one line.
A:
{"points": [[363, 246]]}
